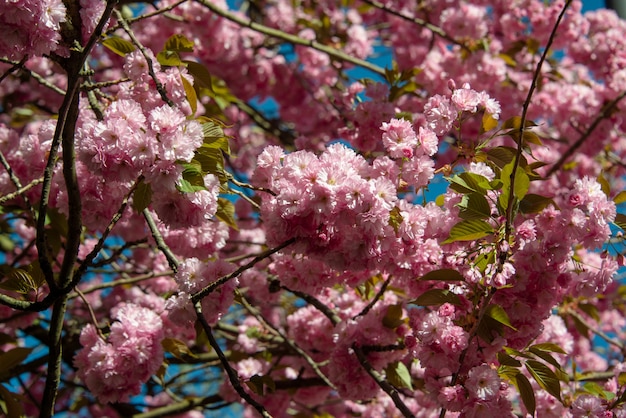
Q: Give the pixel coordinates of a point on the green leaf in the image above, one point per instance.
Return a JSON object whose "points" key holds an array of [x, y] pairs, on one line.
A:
{"points": [[395, 218], [499, 314], [118, 45], [534, 203], [593, 388], [169, 59], [226, 212], [488, 122], [177, 348], [200, 74], [550, 347], [526, 392], [193, 174], [515, 122], [545, 356], [258, 384], [178, 43], [17, 280], [508, 60], [393, 316], [469, 182], [522, 183], [507, 372], [211, 161], [142, 197], [12, 358], [436, 297], [581, 327], [443, 275], [501, 156], [474, 206], [398, 375], [620, 198], [185, 186], [604, 185], [192, 98], [469, 230], [545, 377], [6, 243], [620, 220], [591, 310], [531, 138], [485, 260], [507, 360], [13, 403]]}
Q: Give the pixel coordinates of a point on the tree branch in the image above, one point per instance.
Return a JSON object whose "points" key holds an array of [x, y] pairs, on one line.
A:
{"points": [[604, 113], [232, 374], [384, 385], [196, 297], [292, 39]]}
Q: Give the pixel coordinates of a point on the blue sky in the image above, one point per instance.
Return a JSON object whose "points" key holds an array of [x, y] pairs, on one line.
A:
{"points": [[592, 4]]}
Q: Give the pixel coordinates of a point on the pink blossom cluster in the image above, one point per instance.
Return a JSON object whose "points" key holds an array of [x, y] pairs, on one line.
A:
{"points": [[115, 368], [338, 205], [140, 135], [30, 27], [192, 276]]}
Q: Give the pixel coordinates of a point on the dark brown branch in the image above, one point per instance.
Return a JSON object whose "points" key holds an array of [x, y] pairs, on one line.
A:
{"points": [[606, 111]]}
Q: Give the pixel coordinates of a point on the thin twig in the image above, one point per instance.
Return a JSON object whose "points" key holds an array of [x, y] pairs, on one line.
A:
{"points": [[380, 380], [144, 52], [20, 190], [122, 282], [262, 256], [232, 374], [328, 313], [379, 295], [290, 343], [332, 52], [421, 22], [522, 128], [18, 185], [598, 332], [160, 242], [604, 113], [161, 10], [179, 407], [39, 78]]}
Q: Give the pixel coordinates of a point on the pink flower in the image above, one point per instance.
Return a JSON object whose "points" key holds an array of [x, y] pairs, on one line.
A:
{"points": [[465, 99], [399, 138], [589, 406], [483, 383], [115, 370]]}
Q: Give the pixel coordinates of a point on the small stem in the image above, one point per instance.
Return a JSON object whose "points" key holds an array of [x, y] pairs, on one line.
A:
{"points": [[161, 245], [384, 385], [196, 297], [379, 295], [328, 313], [144, 52], [232, 374], [289, 342], [606, 111], [332, 52], [20, 190], [434, 29], [518, 155], [160, 11]]}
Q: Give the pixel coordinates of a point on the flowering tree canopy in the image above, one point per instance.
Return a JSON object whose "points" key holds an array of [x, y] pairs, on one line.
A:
{"points": [[207, 203]]}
